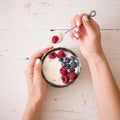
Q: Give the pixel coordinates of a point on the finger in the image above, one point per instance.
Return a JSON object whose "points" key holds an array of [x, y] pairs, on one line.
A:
{"points": [[37, 70], [35, 56], [90, 25], [78, 20], [94, 24], [30, 68], [40, 53], [77, 32], [29, 72], [38, 80], [73, 23]]}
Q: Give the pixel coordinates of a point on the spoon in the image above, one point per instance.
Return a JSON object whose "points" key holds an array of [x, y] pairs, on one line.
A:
{"points": [[58, 36]]}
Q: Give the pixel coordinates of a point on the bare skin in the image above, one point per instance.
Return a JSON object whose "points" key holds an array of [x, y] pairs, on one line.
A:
{"points": [[107, 93], [88, 35], [37, 88]]}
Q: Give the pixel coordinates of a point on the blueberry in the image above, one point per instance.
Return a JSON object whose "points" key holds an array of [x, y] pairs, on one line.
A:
{"points": [[63, 64], [68, 66], [64, 61], [72, 58], [73, 64], [67, 60], [72, 69], [60, 59]]}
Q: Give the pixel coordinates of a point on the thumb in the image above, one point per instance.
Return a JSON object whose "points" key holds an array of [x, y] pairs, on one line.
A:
{"points": [[87, 24], [37, 70]]}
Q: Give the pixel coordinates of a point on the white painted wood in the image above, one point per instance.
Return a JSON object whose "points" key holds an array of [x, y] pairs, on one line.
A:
{"points": [[24, 29]]}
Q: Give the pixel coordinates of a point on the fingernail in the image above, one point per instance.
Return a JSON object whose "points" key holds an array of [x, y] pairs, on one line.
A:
{"points": [[85, 18], [74, 38], [76, 35], [37, 61], [78, 23], [76, 29]]}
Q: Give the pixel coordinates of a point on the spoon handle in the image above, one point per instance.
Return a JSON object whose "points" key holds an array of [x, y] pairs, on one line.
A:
{"points": [[91, 14], [69, 29]]}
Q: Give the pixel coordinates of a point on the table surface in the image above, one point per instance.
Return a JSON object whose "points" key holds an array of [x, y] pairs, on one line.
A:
{"points": [[25, 28]]}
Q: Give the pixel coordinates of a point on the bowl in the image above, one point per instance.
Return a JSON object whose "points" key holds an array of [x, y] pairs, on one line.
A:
{"points": [[59, 68]]}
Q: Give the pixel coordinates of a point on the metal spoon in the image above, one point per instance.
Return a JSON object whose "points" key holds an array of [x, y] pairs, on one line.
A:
{"points": [[91, 14]]}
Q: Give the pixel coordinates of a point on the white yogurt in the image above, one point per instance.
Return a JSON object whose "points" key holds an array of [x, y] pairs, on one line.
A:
{"points": [[51, 69]]}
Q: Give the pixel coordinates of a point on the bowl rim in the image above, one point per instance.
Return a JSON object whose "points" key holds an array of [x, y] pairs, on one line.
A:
{"points": [[78, 71]]}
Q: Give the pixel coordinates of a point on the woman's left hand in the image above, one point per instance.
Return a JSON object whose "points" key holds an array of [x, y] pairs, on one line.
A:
{"points": [[37, 88]]}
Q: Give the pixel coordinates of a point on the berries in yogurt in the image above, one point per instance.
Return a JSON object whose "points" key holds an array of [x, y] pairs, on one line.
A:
{"points": [[60, 67]]}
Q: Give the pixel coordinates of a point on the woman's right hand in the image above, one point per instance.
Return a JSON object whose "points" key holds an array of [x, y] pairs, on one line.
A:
{"points": [[88, 35]]}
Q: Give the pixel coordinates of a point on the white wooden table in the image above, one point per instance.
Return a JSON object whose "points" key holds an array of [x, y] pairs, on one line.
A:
{"points": [[24, 29]]}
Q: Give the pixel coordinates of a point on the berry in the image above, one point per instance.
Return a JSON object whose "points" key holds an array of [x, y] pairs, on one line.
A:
{"points": [[60, 59], [65, 79], [55, 39], [63, 71], [67, 60], [72, 69], [63, 64], [61, 54], [73, 64], [72, 58], [71, 75], [67, 66], [52, 55]]}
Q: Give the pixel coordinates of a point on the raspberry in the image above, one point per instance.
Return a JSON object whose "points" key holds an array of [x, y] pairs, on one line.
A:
{"points": [[55, 39], [65, 79], [63, 71], [52, 55], [71, 75], [61, 54]]}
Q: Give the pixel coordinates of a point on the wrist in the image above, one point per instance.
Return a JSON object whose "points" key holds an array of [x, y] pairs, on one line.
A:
{"points": [[34, 106], [31, 112], [96, 58]]}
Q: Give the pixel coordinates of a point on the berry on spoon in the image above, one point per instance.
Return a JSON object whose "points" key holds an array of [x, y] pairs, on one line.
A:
{"points": [[55, 39]]}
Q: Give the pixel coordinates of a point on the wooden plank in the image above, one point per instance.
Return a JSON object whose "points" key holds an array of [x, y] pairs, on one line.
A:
{"points": [[40, 14]]}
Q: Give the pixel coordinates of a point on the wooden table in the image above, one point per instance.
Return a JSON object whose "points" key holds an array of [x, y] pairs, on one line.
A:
{"points": [[24, 29]]}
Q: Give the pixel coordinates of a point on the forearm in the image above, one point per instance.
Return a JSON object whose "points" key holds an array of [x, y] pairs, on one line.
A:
{"points": [[106, 90], [31, 113]]}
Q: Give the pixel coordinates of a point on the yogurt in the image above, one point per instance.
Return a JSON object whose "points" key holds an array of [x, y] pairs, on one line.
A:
{"points": [[51, 68]]}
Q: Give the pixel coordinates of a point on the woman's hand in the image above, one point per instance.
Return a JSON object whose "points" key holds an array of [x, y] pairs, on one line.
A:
{"points": [[37, 88], [88, 35], [107, 93]]}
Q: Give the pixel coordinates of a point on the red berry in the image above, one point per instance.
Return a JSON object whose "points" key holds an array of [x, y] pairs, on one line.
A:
{"points": [[52, 55], [63, 71], [65, 79], [55, 39], [71, 75], [61, 54]]}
